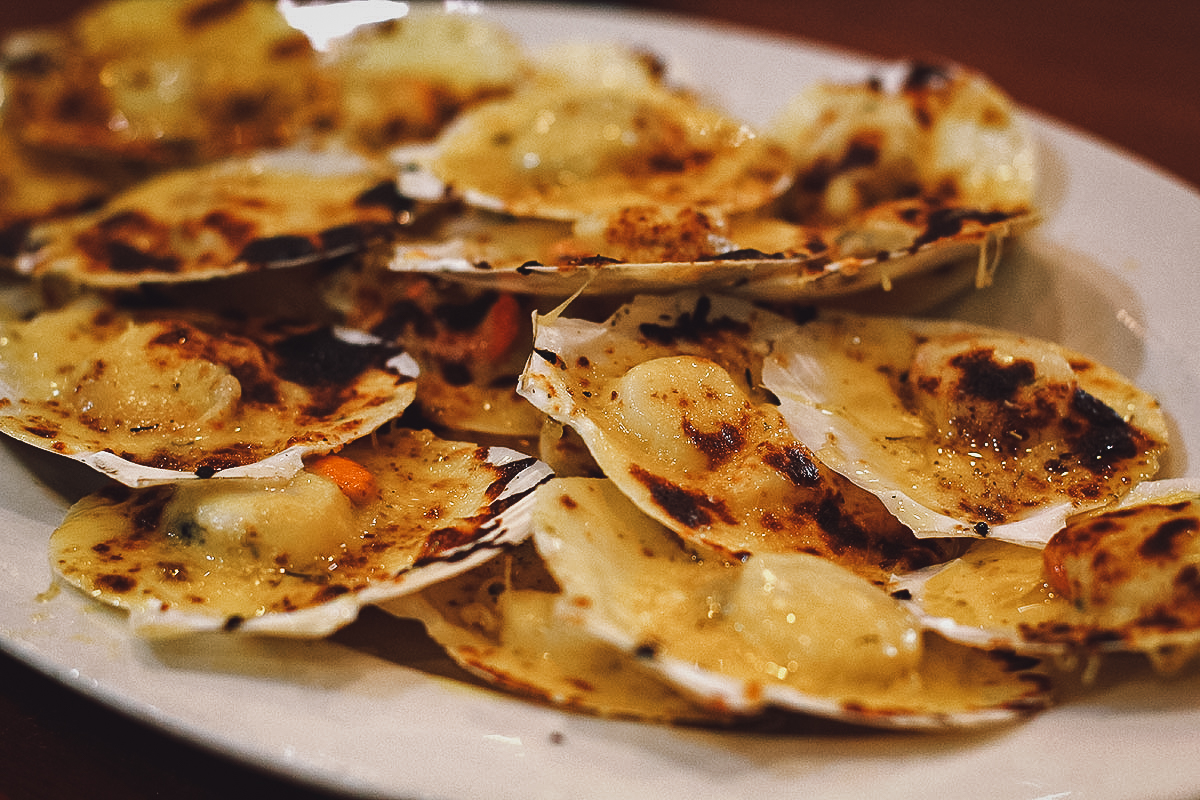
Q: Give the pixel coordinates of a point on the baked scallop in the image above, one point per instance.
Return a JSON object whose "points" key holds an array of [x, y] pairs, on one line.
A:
{"points": [[297, 555], [666, 396], [888, 184], [498, 622], [964, 430], [158, 395], [792, 631], [1122, 579], [271, 210], [403, 79], [166, 82]]}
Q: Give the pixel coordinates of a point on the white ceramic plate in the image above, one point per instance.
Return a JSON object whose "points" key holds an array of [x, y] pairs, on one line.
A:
{"points": [[1111, 273]]}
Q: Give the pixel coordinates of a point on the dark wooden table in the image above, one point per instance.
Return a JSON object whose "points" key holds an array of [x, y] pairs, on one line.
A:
{"points": [[1126, 72]]}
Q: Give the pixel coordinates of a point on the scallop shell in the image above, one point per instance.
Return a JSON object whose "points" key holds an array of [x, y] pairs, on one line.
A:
{"points": [[498, 623], [212, 396], [943, 174], [165, 83], [790, 631], [1119, 579], [271, 210], [568, 149], [963, 430], [665, 395], [441, 508], [642, 249], [403, 79]]}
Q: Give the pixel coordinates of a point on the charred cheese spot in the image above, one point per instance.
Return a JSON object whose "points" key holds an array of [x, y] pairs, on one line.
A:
{"points": [[691, 509], [694, 325], [651, 234], [1001, 396]]}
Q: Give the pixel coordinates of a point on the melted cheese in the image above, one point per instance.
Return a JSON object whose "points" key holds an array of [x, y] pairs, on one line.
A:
{"points": [[995, 586], [649, 234], [855, 147]]}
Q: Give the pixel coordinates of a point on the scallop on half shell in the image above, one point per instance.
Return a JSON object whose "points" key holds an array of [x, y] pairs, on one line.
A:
{"points": [[1121, 579], [165, 82], [790, 631], [403, 79], [964, 430], [498, 622], [297, 555], [666, 396], [270, 210], [883, 198], [152, 396]]}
